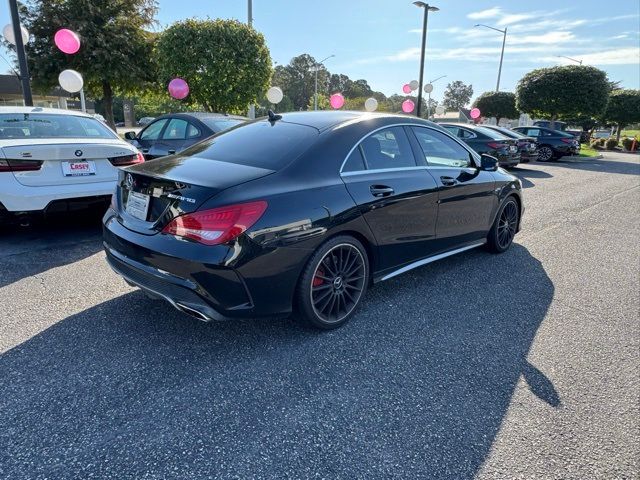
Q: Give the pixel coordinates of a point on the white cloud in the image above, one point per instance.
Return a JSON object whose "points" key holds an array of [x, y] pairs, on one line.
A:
{"points": [[545, 38], [619, 56], [506, 20], [489, 13]]}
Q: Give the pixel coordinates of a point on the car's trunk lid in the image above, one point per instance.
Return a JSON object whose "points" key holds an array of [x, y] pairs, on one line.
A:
{"points": [[173, 186], [65, 161]]}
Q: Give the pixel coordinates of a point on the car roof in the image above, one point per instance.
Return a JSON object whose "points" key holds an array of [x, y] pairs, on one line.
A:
{"points": [[325, 119], [49, 111]]}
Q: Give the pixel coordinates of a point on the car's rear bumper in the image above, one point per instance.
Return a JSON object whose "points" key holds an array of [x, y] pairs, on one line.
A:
{"points": [[507, 161], [20, 198], [209, 282]]}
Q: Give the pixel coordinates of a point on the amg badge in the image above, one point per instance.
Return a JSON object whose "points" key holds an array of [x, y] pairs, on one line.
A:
{"points": [[180, 197]]}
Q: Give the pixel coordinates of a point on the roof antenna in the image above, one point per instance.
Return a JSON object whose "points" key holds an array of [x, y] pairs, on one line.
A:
{"points": [[273, 118]]}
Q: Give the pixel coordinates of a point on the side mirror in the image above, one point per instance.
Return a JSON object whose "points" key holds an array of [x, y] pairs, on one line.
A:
{"points": [[130, 135], [488, 163]]}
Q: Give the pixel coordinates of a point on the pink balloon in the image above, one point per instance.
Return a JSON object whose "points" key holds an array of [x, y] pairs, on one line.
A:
{"points": [[475, 113], [336, 100], [67, 41], [408, 106], [406, 88], [178, 88]]}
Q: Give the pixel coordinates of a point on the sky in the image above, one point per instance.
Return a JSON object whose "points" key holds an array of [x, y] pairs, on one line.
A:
{"points": [[379, 40]]}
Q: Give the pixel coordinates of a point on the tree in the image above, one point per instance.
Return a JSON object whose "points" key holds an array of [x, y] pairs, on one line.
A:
{"points": [[115, 53], [457, 95], [571, 91], [226, 63], [297, 80], [497, 104], [623, 108]]}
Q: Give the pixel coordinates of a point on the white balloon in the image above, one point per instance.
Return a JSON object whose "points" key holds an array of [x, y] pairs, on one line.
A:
{"points": [[275, 95], [370, 104], [428, 88], [71, 81], [7, 33], [439, 109], [413, 84]]}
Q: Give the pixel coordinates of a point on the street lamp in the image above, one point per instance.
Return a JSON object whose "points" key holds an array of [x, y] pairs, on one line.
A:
{"points": [[504, 39], [22, 56], [431, 82], [427, 8], [569, 58], [317, 66]]}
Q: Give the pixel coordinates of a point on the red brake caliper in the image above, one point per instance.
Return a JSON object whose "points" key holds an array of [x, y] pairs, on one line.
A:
{"points": [[317, 281]]}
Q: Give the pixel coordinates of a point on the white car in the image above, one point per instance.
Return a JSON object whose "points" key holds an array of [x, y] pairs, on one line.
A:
{"points": [[53, 159]]}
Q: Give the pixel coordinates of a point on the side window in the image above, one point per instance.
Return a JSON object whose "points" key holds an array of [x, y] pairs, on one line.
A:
{"points": [[547, 133], [192, 131], [355, 162], [455, 131], [152, 132], [388, 148], [466, 134], [533, 132], [440, 150], [176, 130]]}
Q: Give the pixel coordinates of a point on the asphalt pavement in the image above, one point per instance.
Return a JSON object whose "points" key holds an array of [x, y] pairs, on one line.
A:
{"points": [[521, 365]]}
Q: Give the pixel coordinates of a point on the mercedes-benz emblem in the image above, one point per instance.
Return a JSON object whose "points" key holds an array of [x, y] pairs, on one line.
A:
{"points": [[128, 180], [78, 153]]}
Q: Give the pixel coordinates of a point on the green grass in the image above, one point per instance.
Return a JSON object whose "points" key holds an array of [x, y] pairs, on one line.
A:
{"points": [[631, 133], [587, 151]]}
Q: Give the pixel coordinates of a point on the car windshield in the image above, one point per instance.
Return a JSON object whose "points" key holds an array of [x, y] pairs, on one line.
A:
{"points": [[42, 125], [490, 133], [220, 124], [257, 144]]}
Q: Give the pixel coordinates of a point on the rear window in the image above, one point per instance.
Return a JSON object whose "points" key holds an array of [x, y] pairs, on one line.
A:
{"points": [[490, 133], [220, 124], [42, 125], [258, 144]]}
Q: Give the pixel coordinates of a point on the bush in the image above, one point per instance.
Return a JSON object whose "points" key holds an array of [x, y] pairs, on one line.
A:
{"points": [[597, 143], [611, 143], [627, 143]]}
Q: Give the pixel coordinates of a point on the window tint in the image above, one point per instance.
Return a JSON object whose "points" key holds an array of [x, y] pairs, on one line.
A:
{"points": [[218, 124], [152, 132], [176, 129], [440, 150], [257, 144], [192, 131], [452, 130], [42, 125], [355, 162], [533, 132], [466, 134], [388, 148]]}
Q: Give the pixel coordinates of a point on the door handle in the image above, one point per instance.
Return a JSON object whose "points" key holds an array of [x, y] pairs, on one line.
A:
{"points": [[171, 152], [448, 181], [381, 190]]}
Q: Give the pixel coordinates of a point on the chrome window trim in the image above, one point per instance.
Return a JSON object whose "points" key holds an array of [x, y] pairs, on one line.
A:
{"points": [[417, 167]]}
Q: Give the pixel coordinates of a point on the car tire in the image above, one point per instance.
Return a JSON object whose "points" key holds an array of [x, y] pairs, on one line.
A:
{"points": [[545, 153], [332, 283], [504, 227]]}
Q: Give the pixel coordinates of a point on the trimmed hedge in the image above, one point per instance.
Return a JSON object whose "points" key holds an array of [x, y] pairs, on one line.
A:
{"points": [[611, 143]]}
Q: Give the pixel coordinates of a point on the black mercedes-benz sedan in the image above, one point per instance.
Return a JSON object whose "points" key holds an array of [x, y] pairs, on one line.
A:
{"points": [[527, 146], [486, 141], [303, 212]]}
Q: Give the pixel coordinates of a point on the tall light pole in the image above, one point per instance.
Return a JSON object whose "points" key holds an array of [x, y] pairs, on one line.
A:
{"points": [[315, 94], [252, 107], [22, 56], [504, 40], [569, 58], [431, 82], [427, 8]]}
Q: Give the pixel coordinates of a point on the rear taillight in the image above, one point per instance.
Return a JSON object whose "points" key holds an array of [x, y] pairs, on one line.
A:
{"points": [[567, 140], [218, 225], [127, 160], [20, 165], [497, 146]]}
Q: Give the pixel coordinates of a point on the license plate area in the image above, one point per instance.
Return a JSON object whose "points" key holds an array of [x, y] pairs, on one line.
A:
{"points": [[513, 149], [80, 168], [138, 205]]}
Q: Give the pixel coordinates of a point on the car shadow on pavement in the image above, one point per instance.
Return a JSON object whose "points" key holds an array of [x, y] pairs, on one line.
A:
{"points": [[607, 165], [524, 174], [415, 386], [26, 251]]}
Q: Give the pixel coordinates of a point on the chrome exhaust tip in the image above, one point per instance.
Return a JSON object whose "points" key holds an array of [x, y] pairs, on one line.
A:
{"points": [[193, 312]]}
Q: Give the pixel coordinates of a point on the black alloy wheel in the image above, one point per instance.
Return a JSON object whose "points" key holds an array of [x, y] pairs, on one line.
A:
{"points": [[504, 228], [333, 283], [545, 153]]}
